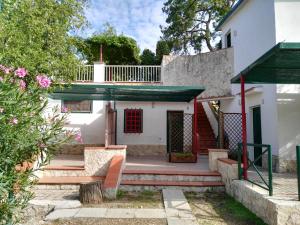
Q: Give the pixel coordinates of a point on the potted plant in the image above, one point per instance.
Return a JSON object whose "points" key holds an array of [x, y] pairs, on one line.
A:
{"points": [[183, 157]]}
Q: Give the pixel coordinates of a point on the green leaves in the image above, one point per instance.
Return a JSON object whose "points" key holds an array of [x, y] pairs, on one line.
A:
{"points": [[26, 133], [117, 49], [36, 34], [191, 23]]}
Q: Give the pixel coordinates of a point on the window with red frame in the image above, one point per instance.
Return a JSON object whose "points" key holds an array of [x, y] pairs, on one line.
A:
{"points": [[133, 121]]}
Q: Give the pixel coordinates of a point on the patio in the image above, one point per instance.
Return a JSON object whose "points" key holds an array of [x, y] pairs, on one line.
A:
{"points": [[138, 163]]}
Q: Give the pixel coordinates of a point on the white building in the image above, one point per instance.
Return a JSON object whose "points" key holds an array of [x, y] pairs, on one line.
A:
{"points": [[252, 28]]}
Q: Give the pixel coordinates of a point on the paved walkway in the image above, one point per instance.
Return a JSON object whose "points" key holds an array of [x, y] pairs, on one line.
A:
{"points": [[177, 210]]}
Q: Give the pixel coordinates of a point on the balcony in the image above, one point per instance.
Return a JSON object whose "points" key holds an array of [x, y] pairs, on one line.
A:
{"points": [[119, 73]]}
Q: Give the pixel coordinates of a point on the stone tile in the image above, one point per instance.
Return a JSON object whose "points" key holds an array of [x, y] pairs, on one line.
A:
{"points": [[150, 213], [91, 213], [179, 221], [175, 199], [120, 213], [61, 213]]}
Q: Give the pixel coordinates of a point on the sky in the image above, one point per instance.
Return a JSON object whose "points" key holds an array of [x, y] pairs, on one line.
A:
{"points": [[139, 19]]}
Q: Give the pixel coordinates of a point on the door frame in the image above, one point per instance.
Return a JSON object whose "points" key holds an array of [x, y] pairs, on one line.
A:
{"points": [[256, 149], [167, 132]]}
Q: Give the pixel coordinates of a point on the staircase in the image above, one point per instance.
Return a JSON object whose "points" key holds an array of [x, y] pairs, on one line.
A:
{"points": [[207, 138], [140, 180]]}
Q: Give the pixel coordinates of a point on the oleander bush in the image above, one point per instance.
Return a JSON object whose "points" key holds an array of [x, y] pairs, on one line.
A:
{"points": [[30, 133]]}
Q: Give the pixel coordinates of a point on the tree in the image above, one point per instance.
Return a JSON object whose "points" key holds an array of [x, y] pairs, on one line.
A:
{"points": [[162, 48], [191, 23], [36, 34], [117, 49], [27, 133], [148, 57]]}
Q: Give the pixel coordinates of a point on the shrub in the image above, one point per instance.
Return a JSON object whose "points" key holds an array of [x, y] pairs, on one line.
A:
{"points": [[28, 131]]}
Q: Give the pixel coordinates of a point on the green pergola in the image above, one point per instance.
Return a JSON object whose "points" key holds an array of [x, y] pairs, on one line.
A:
{"points": [[109, 92], [279, 65]]}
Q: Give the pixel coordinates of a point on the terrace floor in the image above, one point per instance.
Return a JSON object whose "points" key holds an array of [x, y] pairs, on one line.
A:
{"points": [[139, 163], [161, 164]]}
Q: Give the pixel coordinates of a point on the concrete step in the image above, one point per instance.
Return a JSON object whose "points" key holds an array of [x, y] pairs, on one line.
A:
{"points": [[63, 171], [65, 182], [141, 185], [138, 175]]}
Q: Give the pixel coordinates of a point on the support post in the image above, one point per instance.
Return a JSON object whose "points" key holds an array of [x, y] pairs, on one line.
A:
{"points": [[196, 144], [298, 169], [101, 54], [244, 129]]}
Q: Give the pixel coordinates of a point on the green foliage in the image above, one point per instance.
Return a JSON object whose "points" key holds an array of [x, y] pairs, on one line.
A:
{"points": [[27, 133], [36, 34], [191, 23], [117, 49], [162, 48], [148, 57]]}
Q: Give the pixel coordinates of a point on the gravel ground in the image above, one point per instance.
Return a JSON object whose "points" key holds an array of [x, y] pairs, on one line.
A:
{"points": [[220, 209], [109, 222]]}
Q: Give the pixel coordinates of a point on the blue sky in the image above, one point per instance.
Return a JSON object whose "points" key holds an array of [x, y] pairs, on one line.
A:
{"points": [[139, 19]]}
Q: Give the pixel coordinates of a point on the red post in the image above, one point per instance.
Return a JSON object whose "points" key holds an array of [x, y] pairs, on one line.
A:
{"points": [[101, 54], [196, 144], [244, 128]]}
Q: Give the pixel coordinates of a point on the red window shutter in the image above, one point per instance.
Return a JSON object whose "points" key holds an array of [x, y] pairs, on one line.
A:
{"points": [[133, 121]]}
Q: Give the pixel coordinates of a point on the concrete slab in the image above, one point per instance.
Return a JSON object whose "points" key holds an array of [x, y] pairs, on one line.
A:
{"points": [[180, 221], [150, 213], [175, 199], [62, 213], [120, 213], [91, 213]]}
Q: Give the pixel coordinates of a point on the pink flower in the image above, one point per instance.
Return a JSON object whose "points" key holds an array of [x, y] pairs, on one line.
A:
{"points": [[78, 138], [21, 72], [1, 79], [5, 69], [64, 109], [22, 84], [43, 81], [1, 110], [14, 121]]}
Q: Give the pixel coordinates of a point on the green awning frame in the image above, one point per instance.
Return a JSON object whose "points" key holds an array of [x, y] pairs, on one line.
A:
{"points": [[108, 92], [279, 65]]}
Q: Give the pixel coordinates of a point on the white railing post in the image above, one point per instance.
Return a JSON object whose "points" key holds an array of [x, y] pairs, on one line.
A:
{"points": [[99, 72]]}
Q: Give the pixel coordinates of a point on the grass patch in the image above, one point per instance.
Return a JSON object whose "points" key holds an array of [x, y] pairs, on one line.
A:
{"points": [[219, 209], [144, 199]]}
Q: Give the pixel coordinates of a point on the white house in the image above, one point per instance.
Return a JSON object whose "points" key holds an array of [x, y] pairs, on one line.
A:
{"points": [[252, 28]]}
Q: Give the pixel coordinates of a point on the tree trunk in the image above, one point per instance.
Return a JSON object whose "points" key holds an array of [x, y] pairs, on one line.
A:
{"points": [[90, 193]]}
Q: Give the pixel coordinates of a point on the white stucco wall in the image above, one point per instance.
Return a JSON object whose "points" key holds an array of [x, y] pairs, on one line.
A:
{"points": [[287, 19], [288, 106], [154, 121], [91, 125], [253, 32]]}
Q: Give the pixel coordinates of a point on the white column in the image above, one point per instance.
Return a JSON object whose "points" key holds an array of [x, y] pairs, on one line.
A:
{"points": [[99, 72]]}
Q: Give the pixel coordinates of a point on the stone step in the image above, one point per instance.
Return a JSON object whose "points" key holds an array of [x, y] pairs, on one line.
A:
{"points": [[64, 182], [155, 175], [64, 171], [154, 185]]}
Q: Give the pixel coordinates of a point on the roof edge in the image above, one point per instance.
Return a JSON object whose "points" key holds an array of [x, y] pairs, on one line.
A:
{"points": [[229, 14]]}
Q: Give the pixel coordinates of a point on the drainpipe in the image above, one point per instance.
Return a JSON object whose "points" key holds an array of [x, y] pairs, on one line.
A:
{"points": [[196, 144], [244, 128]]}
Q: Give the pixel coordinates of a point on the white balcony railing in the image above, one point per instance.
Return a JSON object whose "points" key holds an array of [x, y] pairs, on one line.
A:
{"points": [[125, 73], [85, 73], [118, 73]]}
